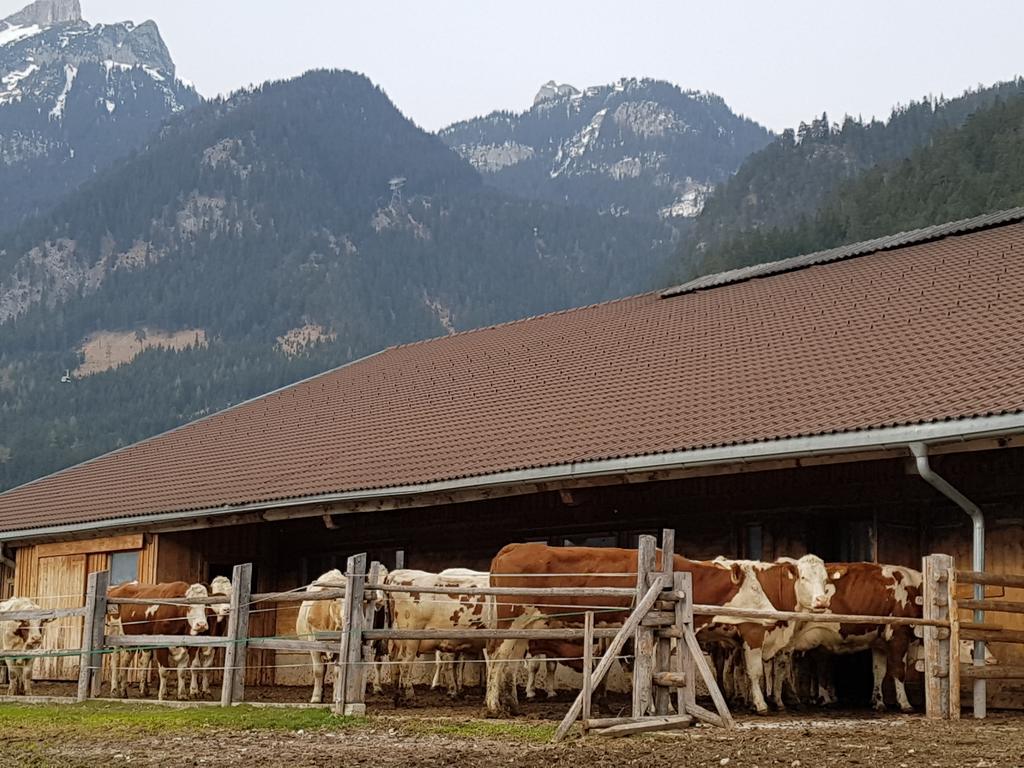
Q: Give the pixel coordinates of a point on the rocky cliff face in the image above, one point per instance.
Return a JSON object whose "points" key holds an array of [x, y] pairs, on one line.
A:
{"points": [[639, 147], [73, 98]]}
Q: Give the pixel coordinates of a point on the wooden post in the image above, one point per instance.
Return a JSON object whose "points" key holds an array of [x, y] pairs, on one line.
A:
{"points": [[348, 695], [588, 665], [90, 666], [369, 609], [663, 653], [954, 648], [399, 559], [233, 686], [936, 644], [643, 637], [686, 697]]}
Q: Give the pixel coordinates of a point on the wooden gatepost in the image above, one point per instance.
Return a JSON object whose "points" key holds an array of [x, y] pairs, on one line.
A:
{"points": [[662, 614]]}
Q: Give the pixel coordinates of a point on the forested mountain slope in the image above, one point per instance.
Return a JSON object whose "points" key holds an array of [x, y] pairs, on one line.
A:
{"points": [[963, 172], [273, 234], [790, 180]]}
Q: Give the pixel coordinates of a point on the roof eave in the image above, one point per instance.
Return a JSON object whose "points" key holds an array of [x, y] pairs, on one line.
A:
{"points": [[882, 439]]}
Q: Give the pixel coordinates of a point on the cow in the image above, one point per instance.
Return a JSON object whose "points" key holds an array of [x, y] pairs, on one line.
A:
{"points": [[20, 635], [786, 584], [157, 619], [714, 583], [421, 610], [325, 616], [217, 617], [867, 589]]}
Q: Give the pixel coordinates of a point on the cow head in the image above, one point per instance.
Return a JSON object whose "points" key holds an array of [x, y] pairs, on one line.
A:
{"points": [[196, 615], [813, 592], [221, 585], [28, 634]]}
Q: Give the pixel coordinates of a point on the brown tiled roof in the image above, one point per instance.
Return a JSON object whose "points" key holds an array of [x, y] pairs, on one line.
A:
{"points": [[927, 331]]}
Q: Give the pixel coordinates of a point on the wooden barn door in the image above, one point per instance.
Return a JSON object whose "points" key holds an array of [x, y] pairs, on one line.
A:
{"points": [[61, 584]]}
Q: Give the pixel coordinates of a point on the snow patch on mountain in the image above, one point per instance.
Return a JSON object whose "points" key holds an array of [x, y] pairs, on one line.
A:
{"points": [[10, 33], [577, 146], [70, 72], [690, 202]]}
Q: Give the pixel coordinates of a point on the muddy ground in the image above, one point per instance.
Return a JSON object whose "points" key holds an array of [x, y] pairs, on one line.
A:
{"points": [[435, 735]]}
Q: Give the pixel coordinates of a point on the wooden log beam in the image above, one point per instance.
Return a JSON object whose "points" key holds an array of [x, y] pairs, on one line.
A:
{"points": [[568, 633], [42, 614], [233, 685], [992, 636], [293, 646], [999, 606], [163, 641], [827, 618], [646, 725], [992, 672], [516, 591], [991, 579], [670, 679]]}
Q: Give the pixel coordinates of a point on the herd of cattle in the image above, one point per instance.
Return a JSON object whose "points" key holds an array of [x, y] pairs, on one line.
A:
{"points": [[753, 659]]}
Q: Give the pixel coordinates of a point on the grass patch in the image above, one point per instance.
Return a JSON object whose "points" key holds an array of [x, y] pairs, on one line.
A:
{"points": [[95, 716], [505, 730]]}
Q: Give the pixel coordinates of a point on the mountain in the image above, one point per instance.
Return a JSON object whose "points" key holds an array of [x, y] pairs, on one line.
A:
{"points": [[73, 98], [792, 178], [261, 238], [962, 172], [644, 147]]}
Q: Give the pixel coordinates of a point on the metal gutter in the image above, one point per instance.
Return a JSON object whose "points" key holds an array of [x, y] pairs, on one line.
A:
{"points": [[885, 438], [929, 475]]}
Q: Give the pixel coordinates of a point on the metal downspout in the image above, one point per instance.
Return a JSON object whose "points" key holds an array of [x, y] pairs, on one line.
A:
{"points": [[924, 469]]}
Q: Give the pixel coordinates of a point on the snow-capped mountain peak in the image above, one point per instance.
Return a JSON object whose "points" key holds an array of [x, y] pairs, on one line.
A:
{"points": [[74, 96]]}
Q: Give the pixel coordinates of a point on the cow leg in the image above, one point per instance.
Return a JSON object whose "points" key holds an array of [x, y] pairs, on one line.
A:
{"points": [[532, 667], [502, 697], [145, 664], [435, 682], [12, 677], [823, 672], [163, 672], [207, 657], [878, 664], [754, 664], [182, 660], [549, 681], [194, 669], [317, 662], [375, 675], [896, 664], [447, 666], [26, 678]]}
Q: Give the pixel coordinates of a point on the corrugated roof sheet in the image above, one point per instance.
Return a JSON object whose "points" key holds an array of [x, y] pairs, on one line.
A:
{"points": [[922, 332], [884, 243]]}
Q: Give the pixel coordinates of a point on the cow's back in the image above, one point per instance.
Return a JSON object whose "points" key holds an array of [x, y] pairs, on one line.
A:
{"points": [[153, 619]]}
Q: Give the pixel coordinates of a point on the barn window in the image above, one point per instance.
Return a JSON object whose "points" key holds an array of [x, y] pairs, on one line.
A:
{"points": [[606, 540], [124, 566]]}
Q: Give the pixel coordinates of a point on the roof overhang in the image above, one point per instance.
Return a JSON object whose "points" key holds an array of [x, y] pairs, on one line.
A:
{"points": [[885, 442]]}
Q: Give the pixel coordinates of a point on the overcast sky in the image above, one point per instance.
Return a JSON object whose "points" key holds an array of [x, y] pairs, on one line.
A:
{"points": [[779, 62]]}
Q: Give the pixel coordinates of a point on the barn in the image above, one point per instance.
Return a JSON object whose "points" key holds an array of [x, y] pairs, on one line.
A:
{"points": [[850, 403]]}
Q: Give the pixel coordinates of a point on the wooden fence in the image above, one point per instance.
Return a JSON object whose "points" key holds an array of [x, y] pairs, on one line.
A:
{"points": [[662, 617]]}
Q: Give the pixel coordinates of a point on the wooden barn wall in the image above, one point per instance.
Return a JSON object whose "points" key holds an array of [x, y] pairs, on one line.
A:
{"points": [[868, 510]]}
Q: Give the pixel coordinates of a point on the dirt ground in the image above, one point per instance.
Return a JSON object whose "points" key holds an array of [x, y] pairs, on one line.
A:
{"points": [[435, 734]]}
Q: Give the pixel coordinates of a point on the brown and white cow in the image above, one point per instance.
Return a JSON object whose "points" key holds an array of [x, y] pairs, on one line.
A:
{"points": [[786, 584], [217, 616], [868, 589], [422, 610], [156, 619], [714, 583], [325, 616], [20, 635]]}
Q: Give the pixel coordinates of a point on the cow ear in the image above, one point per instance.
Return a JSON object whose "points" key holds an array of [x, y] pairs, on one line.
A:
{"points": [[737, 573], [836, 572], [792, 571]]}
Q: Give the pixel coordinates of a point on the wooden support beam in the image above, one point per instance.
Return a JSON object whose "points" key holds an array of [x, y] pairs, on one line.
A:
{"points": [[90, 666], [525, 592], [588, 667], [936, 650], [566, 633], [609, 656], [709, 679], [646, 725], [349, 693], [643, 638], [707, 716], [163, 641], [826, 618], [670, 679], [42, 614], [954, 648], [682, 662], [233, 685]]}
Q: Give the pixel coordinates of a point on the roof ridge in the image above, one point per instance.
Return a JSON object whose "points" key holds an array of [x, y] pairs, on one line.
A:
{"points": [[849, 251]]}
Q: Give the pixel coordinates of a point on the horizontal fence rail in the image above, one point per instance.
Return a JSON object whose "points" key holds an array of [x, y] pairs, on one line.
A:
{"points": [[826, 618]]}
